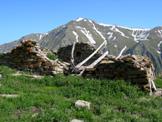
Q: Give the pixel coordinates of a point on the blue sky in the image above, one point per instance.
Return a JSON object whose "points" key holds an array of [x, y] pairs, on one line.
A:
{"points": [[21, 17]]}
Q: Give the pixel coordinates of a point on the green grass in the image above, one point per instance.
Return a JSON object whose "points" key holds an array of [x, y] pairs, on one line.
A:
{"points": [[51, 99], [52, 56]]}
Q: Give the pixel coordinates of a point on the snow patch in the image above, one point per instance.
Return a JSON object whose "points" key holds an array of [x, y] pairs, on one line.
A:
{"points": [[94, 27], [106, 25], [40, 37], [113, 28], [76, 36], [45, 34], [128, 28], [159, 44], [80, 19], [158, 51], [110, 35], [140, 35], [115, 46], [160, 33], [114, 38], [88, 35]]}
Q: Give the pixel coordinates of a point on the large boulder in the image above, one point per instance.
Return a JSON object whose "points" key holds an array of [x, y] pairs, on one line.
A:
{"points": [[82, 104]]}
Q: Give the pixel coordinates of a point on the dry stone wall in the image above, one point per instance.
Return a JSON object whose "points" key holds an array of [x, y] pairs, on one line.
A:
{"points": [[28, 56], [82, 51], [136, 69]]}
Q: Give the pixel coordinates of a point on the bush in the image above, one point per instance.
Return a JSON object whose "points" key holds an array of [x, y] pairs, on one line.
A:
{"points": [[52, 56]]}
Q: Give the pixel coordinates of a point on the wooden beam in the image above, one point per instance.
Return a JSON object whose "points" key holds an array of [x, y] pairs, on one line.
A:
{"points": [[89, 57], [98, 60], [153, 85], [72, 53]]}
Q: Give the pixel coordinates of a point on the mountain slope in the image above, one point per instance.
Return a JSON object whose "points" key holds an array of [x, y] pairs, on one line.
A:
{"points": [[9, 46], [146, 42]]}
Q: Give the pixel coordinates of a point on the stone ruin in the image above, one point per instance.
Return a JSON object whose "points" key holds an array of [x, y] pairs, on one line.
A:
{"points": [[135, 69], [29, 57], [82, 51]]}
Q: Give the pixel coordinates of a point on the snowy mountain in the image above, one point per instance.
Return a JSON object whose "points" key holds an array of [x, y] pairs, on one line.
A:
{"points": [[146, 42]]}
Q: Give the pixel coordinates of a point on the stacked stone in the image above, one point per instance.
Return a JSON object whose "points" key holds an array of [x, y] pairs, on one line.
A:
{"points": [[136, 69], [28, 56], [81, 52]]}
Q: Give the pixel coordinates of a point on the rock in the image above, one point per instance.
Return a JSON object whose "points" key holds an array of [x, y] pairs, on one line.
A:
{"points": [[28, 56], [9, 95], [35, 111], [59, 67], [76, 120], [82, 104], [0, 76], [158, 93], [34, 76], [35, 114]]}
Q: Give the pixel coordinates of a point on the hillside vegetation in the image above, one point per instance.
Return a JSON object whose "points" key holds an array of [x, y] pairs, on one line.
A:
{"points": [[52, 98]]}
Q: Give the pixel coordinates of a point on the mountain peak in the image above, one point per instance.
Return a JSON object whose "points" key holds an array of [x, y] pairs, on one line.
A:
{"points": [[115, 38], [81, 19]]}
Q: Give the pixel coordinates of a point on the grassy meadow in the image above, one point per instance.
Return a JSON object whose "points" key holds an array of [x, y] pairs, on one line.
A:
{"points": [[52, 99]]}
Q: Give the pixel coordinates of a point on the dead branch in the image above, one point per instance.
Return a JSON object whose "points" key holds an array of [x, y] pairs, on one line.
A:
{"points": [[72, 53], [89, 57], [153, 85], [121, 52], [80, 74], [150, 87], [97, 61]]}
